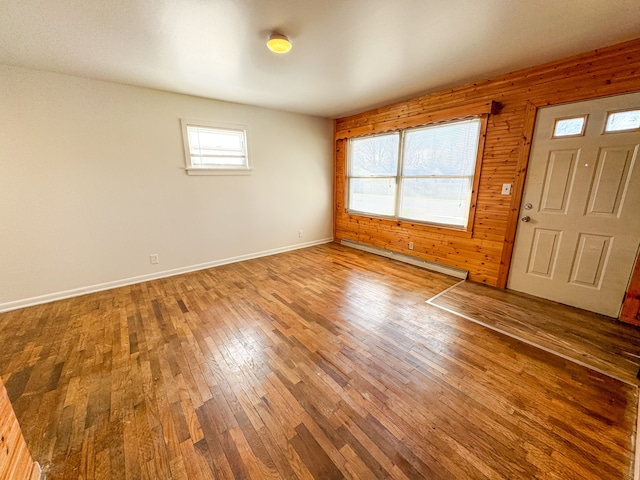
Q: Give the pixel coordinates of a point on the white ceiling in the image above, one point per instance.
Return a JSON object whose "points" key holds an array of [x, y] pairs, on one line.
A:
{"points": [[347, 56]]}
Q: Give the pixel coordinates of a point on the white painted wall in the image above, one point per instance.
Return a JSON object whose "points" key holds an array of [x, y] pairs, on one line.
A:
{"points": [[92, 182]]}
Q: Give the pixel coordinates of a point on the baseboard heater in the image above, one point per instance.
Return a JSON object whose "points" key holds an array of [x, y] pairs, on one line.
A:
{"points": [[436, 267]]}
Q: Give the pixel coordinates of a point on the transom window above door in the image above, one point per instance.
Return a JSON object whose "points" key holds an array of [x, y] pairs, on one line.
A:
{"points": [[623, 121], [570, 127]]}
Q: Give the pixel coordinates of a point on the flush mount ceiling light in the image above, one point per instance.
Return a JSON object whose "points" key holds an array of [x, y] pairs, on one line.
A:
{"points": [[278, 43]]}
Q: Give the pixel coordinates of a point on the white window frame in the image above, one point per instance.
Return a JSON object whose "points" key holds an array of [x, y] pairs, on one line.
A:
{"points": [[400, 176], [191, 169]]}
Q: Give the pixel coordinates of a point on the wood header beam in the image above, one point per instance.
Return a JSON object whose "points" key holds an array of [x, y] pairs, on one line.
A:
{"points": [[425, 117]]}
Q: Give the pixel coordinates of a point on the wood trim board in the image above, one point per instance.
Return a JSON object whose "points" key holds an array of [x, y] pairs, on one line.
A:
{"points": [[630, 312]]}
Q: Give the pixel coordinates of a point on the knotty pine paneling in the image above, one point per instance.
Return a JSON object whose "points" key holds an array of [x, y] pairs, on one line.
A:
{"points": [[15, 459], [630, 312], [486, 255]]}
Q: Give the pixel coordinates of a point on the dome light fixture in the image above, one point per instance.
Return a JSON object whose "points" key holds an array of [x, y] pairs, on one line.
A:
{"points": [[278, 43]]}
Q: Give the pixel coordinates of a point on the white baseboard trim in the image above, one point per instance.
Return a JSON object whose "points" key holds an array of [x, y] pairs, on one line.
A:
{"points": [[418, 262], [76, 292]]}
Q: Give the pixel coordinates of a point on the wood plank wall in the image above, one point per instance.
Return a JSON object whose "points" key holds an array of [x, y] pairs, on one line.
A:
{"points": [[15, 460], [631, 306], [486, 253]]}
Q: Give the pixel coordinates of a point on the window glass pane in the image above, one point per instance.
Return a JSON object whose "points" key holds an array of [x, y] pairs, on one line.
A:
{"points": [[437, 200], [373, 195], [215, 149], [374, 156], [620, 121], [569, 127], [448, 149], [206, 141]]}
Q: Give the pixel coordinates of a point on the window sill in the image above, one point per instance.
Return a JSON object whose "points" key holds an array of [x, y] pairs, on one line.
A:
{"points": [[218, 171]]}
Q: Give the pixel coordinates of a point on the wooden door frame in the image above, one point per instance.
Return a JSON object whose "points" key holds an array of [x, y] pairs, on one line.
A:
{"points": [[518, 191], [629, 311]]}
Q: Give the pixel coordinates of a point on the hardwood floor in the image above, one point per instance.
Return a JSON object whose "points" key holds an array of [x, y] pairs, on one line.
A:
{"points": [[322, 363], [599, 342]]}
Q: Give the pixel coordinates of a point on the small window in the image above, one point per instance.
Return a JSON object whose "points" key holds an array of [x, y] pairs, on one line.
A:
{"points": [[423, 174], [623, 121], [569, 127], [214, 149]]}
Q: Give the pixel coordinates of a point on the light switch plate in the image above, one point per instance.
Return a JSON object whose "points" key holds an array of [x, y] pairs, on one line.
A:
{"points": [[506, 188]]}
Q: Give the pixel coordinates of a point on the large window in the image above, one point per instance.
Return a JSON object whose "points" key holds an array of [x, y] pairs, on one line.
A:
{"points": [[421, 174], [212, 149]]}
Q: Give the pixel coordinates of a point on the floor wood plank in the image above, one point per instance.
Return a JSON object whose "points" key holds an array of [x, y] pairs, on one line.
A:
{"points": [[603, 343], [320, 363]]}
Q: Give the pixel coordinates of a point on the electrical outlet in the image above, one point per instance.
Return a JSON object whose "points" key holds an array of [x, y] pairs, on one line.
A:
{"points": [[154, 258], [299, 233], [506, 188], [410, 245]]}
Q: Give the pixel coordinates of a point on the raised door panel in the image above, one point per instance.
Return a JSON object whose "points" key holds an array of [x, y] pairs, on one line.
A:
{"points": [[544, 250], [558, 180], [611, 181], [590, 260]]}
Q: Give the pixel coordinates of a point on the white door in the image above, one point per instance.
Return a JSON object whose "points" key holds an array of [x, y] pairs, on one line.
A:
{"points": [[580, 215]]}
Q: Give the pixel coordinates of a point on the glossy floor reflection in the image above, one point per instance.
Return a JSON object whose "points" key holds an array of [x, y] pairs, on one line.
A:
{"points": [[321, 363]]}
